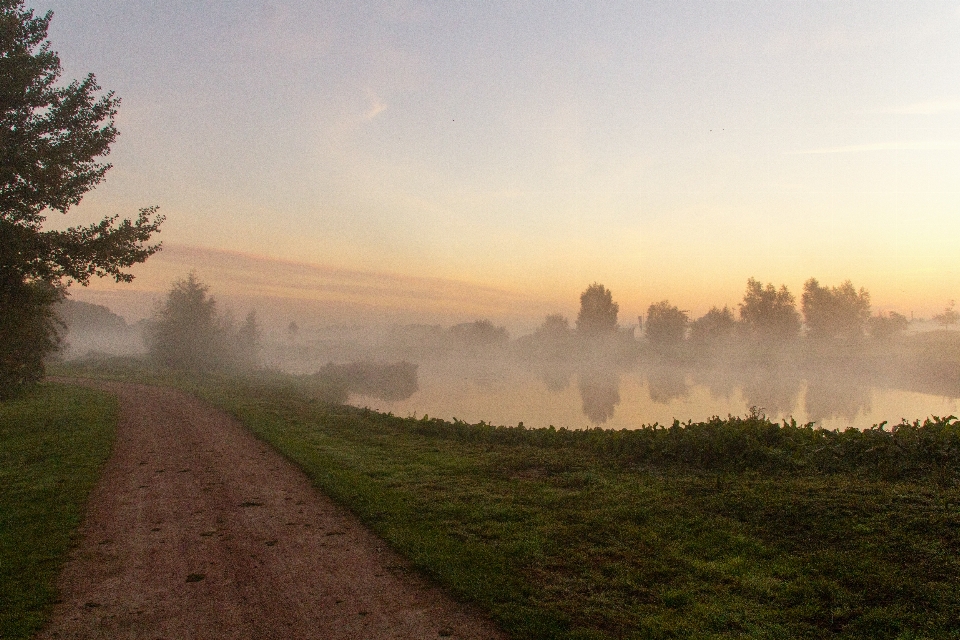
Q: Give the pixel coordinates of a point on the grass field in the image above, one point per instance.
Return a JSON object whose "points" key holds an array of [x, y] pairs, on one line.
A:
{"points": [[573, 536], [53, 443]]}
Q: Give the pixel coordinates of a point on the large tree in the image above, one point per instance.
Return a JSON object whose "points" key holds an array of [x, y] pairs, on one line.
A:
{"points": [[53, 138], [598, 312], [835, 312], [666, 324], [768, 313]]}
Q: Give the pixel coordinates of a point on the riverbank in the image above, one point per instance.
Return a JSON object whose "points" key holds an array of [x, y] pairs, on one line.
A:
{"points": [[570, 535]]}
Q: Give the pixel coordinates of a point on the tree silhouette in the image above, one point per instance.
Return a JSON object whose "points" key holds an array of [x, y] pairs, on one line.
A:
{"points": [[554, 326], [52, 140], [835, 312], [598, 312], [769, 313], [666, 324], [948, 317], [885, 327], [187, 332], [713, 327]]}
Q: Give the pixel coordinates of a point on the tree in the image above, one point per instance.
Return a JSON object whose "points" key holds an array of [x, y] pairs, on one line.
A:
{"points": [[52, 141], [885, 327], [554, 327], [769, 313], [188, 333], [184, 333], [835, 312], [598, 312], [479, 333], [713, 327], [248, 342], [948, 317], [666, 324], [293, 330]]}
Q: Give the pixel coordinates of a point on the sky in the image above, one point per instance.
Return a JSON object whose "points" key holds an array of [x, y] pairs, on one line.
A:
{"points": [[669, 150]]}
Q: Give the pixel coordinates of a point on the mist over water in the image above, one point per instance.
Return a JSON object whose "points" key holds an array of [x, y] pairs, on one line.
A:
{"points": [[509, 392], [476, 371], [624, 384]]}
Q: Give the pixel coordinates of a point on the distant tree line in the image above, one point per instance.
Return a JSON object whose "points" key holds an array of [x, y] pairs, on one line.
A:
{"points": [[767, 315]]}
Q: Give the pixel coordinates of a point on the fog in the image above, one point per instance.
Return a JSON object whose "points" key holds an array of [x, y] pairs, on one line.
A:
{"points": [[567, 375]]}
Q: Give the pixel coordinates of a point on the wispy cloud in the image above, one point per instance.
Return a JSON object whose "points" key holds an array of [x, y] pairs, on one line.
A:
{"points": [[377, 106], [927, 108], [915, 145], [277, 286]]}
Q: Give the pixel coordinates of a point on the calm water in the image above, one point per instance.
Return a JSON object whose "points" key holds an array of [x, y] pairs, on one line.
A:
{"points": [[502, 394]]}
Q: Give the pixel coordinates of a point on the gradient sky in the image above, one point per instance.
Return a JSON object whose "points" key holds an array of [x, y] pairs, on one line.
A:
{"points": [[666, 149]]}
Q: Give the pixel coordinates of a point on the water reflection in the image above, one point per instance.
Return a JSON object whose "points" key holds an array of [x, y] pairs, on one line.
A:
{"points": [[722, 383], [667, 384], [775, 391], [599, 393], [555, 379], [577, 394], [830, 396]]}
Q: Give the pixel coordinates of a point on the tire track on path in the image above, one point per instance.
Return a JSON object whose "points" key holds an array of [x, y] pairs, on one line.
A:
{"points": [[199, 530]]}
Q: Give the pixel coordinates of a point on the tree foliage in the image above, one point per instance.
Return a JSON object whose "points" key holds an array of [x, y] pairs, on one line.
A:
{"points": [[53, 137], [769, 313], [835, 312], [188, 333], [554, 326], [478, 333], [29, 331], [715, 326], [666, 324], [598, 312], [948, 317], [885, 327]]}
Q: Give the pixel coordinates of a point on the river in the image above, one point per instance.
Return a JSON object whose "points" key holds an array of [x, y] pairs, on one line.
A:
{"points": [[507, 394]]}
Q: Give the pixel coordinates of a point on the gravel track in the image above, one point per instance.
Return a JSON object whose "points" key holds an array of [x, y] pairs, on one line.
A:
{"points": [[199, 530]]}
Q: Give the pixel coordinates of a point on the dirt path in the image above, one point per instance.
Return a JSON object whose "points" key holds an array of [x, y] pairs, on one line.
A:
{"points": [[199, 530]]}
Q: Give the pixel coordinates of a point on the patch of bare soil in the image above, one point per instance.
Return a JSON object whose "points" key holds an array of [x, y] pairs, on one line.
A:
{"points": [[199, 530]]}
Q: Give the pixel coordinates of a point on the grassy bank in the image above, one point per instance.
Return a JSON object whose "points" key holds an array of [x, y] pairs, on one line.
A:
{"points": [[53, 443], [736, 528]]}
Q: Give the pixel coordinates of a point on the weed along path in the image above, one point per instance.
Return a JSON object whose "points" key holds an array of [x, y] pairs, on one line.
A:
{"points": [[199, 530]]}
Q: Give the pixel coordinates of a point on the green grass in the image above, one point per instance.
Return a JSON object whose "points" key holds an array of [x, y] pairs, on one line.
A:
{"points": [[53, 443], [562, 535]]}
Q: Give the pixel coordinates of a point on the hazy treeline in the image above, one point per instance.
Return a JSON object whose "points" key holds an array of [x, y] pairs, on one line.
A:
{"points": [[767, 318], [188, 332], [770, 349], [93, 329], [821, 353]]}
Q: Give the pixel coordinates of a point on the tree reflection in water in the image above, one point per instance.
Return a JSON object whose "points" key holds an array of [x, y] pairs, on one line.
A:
{"points": [[722, 383], [600, 393], [833, 395], [775, 391], [555, 379], [667, 384]]}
